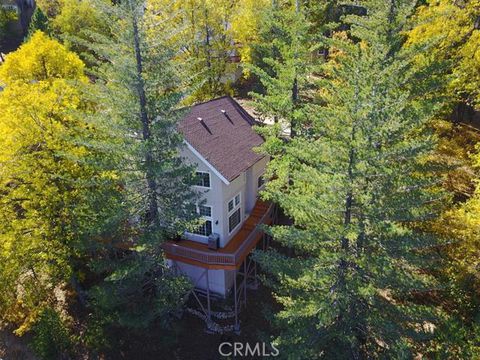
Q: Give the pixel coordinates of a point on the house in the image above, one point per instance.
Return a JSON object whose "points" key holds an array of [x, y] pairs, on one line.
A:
{"points": [[220, 143]]}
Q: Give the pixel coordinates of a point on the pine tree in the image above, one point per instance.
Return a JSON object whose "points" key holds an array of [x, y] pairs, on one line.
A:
{"points": [[353, 185], [284, 64], [39, 21], [137, 93]]}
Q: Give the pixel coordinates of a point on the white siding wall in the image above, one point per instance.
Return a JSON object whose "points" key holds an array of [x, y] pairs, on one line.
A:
{"points": [[253, 174], [220, 194], [216, 278], [213, 196], [237, 186], [218, 197]]}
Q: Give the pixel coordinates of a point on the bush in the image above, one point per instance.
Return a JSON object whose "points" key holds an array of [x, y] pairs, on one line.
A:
{"points": [[51, 339]]}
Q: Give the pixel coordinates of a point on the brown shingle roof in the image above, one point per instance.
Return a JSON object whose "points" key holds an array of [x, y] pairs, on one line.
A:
{"points": [[225, 140]]}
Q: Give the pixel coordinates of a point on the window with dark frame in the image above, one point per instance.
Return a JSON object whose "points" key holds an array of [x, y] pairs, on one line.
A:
{"points": [[206, 228], [203, 179], [234, 220], [234, 212], [205, 210], [261, 181]]}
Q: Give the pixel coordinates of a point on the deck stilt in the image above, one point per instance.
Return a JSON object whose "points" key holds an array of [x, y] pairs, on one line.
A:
{"points": [[237, 325], [209, 315], [245, 275]]}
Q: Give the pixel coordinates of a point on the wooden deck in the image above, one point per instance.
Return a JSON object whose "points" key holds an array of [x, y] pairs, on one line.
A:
{"points": [[231, 256]]}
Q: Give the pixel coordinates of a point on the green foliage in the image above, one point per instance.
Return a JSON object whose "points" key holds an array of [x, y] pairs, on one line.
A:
{"points": [[353, 182], [137, 91], [285, 64], [456, 338], [49, 7], [39, 21], [138, 293], [76, 23], [51, 338]]}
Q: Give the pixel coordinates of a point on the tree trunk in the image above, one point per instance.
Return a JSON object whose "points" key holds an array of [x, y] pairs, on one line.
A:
{"points": [[151, 215], [293, 125]]}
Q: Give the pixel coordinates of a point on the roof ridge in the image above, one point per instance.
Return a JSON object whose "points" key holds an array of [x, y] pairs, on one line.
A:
{"points": [[244, 112], [189, 107], [211, 100]]}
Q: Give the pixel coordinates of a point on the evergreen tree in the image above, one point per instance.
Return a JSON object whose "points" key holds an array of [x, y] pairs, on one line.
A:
{"points": [[285, 64], [354, 184], [137, 93], [38, 22]]}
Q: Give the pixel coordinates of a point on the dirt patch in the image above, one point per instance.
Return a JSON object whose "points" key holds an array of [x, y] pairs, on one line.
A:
{"points": [[189, 339], [14, 348]]}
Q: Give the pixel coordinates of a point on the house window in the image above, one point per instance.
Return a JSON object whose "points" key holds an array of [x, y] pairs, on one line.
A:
{"points": [[234, 220], [234, 212], [203, 179], [261, 181], [205, 210], [206, 228]]}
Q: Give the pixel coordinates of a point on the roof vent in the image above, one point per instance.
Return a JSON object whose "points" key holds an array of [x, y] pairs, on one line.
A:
{"points": [[204, 125], [224, 112]]}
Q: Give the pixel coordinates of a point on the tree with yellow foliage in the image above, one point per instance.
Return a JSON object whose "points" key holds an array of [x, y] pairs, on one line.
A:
{"points": [[203, 39], [57, 192], [459, 226], [74, 22], [41, 59], [457, 26], [246, 25]]}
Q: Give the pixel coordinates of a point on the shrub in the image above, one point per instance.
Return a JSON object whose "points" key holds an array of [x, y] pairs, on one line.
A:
{"points": [[51, 339]]}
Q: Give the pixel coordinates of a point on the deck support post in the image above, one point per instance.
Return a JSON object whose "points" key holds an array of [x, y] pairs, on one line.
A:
{"points": [[237, 325], [245, 282], [209, 315], [255, 274]]}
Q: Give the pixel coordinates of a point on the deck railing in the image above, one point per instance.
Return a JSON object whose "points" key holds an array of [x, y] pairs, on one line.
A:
{"points": [[216, 258]]}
